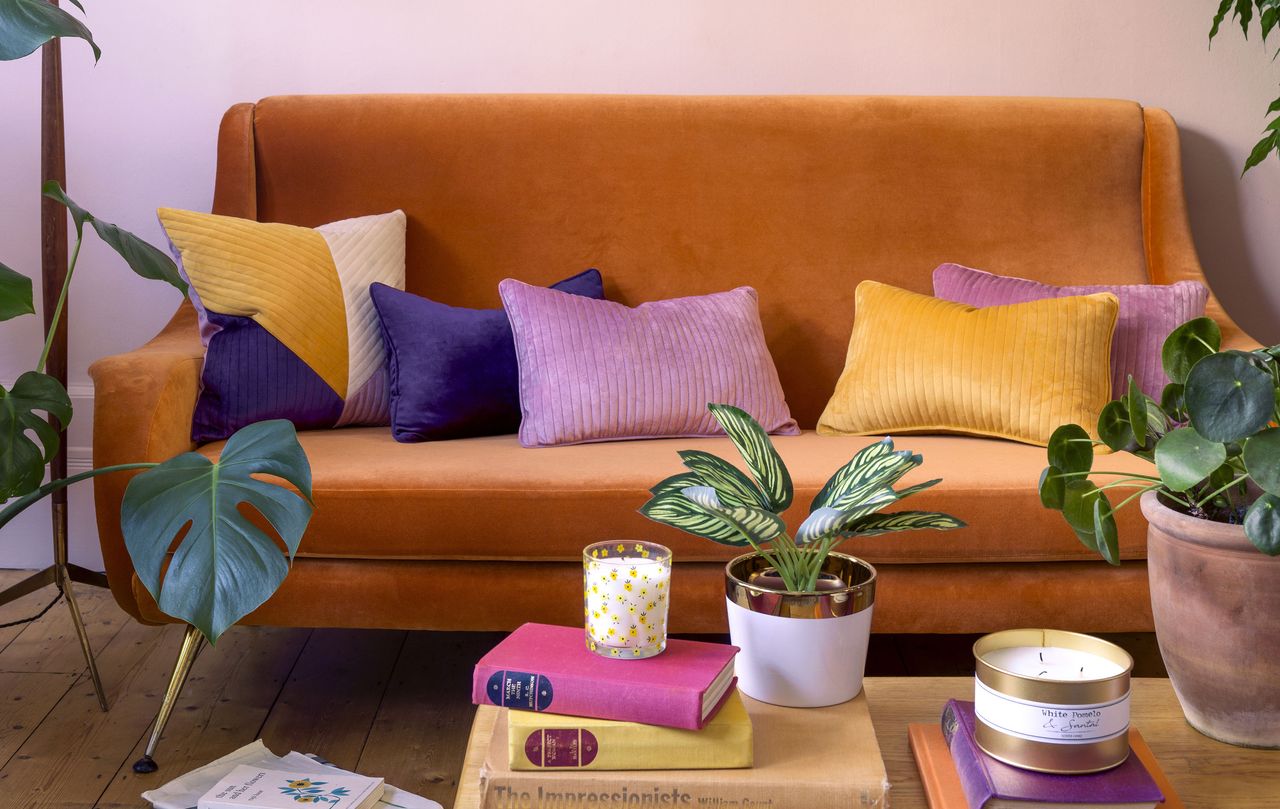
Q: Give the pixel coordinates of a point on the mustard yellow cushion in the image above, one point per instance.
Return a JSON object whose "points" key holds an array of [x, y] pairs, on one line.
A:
{"points": [[919, 364]]}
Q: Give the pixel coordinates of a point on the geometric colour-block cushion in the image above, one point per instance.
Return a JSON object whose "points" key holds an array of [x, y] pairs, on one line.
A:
{"points": [[286, 318]]}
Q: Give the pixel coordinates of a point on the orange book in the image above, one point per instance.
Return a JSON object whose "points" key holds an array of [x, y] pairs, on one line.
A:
{"points": [[941, 782]]}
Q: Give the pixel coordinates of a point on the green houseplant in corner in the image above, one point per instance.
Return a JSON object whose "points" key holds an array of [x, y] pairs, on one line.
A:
{"points": [[799, 611], [205, 560], [1213, 507]]}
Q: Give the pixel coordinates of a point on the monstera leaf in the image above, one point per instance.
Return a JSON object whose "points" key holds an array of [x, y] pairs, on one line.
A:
{"points": [[22, 460], [15, 294], [142, 258], [27, 24], [225, 566]]}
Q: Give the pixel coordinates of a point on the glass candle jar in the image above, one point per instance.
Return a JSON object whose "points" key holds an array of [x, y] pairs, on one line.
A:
{"points": [[626, 590]]}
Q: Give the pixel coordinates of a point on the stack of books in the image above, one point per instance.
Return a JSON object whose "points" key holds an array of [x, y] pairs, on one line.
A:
{"points": [[577, 729], [957, 774]]}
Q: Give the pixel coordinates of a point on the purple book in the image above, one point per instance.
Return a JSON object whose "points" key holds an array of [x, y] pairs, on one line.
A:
{"points": [[549, 668], [991, 784]]}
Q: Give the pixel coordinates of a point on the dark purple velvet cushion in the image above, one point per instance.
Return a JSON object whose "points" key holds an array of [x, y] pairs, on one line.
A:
{"points": [[453, 370]]}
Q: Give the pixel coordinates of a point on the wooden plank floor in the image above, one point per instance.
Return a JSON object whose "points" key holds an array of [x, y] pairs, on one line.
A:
{"points": [[387, 703]]}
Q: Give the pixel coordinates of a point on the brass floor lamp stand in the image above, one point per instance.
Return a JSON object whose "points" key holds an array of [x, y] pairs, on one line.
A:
{"points": [[53, 272], [63, 574]]}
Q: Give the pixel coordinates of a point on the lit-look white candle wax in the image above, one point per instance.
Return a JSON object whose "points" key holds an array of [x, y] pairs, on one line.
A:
{"points": [[1052, 663], [626, 592]]}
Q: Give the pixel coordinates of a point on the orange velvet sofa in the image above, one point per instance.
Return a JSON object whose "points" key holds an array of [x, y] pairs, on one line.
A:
{"points": [[799, 197]]}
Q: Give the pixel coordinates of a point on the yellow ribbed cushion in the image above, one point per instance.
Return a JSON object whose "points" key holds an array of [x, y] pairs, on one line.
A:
{"points": [[919, 364]]}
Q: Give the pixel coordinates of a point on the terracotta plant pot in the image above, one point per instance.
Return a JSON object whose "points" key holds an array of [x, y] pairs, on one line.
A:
{"points": [[801, 650], [1216, 601]]}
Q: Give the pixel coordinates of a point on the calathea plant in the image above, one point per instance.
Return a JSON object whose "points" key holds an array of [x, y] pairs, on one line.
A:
{"points": [[717, 501], [225, 566], [1213, 438]]}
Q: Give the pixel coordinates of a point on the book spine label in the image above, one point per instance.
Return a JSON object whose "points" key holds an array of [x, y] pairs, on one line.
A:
{"points": [[519, 689], [576, 696], [561, 747], [1055, 724]]}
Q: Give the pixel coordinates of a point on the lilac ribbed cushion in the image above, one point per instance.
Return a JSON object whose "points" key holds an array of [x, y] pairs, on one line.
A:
{"points": [[1148, 313], [594, 370]]}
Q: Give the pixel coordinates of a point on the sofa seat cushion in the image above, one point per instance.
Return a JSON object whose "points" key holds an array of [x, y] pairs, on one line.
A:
{"points": [[479, 498]]}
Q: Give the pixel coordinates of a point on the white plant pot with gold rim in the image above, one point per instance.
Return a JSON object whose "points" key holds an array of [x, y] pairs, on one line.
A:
{"points": [[800, 650]]}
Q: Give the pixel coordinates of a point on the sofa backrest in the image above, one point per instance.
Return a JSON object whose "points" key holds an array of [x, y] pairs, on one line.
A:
{"points": [[799, 197]]}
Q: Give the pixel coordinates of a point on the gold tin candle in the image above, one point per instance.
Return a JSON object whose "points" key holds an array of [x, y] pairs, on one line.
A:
{"points": [[1052, 701]]}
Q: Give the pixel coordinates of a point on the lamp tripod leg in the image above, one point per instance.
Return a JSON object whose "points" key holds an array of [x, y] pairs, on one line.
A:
{"points": [[64, 584], [192, 642], [62, 576]]}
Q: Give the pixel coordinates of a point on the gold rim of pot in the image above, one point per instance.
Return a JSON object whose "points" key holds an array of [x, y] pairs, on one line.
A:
{"points": [[856, 593]]}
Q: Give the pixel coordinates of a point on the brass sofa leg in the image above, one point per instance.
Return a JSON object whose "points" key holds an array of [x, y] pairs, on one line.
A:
{"points": [[192, 642]]}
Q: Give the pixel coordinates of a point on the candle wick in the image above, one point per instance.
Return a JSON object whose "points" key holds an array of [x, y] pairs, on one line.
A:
{"points": [[1042, 657], [1043, 672]]}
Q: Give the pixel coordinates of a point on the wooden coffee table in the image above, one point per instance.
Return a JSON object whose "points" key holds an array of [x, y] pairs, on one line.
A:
{"points": [[1207, 774]]}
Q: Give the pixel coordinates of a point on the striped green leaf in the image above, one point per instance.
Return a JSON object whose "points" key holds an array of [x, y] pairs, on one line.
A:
{"points": [[758, 451], [734, 488], [677, 511], [902, 521], [676, 484], [873, 467], [825, 522], [903, 494], [756, 523]]}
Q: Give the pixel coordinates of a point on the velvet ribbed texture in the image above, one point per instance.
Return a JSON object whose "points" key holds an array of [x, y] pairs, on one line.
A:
{"points": [[601, 371], [920, 364], [453, 370], [1148, 313]]}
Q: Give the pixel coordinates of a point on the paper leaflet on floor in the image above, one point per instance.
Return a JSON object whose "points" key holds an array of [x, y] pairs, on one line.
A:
{"points": [[185, 791]]}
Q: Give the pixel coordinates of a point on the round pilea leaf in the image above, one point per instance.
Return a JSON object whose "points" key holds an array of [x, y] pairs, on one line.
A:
{"points": [[1105, 533], [1114, 428], [1052, 488], [1187, 345], [1228, 397], [1262, 459], [1071, 449], [1262, 524], [1184, 458]]}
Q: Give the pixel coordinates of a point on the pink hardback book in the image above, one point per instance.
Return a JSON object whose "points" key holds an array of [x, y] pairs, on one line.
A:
{"points": [[549, 668]]}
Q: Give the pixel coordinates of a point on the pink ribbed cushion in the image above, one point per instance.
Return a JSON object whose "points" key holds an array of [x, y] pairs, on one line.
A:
{"points": [[593, 370], [1148, 313]]}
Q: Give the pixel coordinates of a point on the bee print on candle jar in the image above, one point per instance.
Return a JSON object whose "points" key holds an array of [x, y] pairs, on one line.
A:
{"points": [[624, 589]]}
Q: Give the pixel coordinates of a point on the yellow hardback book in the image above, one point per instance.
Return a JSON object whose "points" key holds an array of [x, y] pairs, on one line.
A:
{"points": [[538, 741]]}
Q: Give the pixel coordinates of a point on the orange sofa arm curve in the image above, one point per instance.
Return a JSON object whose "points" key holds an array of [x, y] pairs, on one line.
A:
{"points": [[143, 404]]}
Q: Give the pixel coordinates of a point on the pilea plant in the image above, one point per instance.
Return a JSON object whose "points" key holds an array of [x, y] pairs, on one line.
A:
{"points": [[1213, 438], [717, 501]]}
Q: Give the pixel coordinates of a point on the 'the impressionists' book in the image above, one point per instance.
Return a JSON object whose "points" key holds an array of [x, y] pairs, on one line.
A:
{"points": [[538, 741], [549, 668], [247, 786]]}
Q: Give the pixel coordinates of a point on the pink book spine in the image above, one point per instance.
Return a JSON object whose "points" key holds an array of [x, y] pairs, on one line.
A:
{"points": [[571, 695]]}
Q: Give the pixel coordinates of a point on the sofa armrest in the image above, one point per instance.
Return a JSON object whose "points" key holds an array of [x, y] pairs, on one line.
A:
{"points": [[143, 404]]}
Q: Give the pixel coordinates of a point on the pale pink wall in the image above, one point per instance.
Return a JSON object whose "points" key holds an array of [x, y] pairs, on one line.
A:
{"points": [[141, 124]]}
